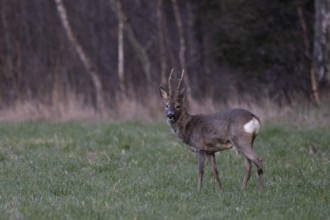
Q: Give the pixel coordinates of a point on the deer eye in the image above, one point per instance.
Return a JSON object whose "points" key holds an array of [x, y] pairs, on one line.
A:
{"points": [[166, 106], [177, 106]]}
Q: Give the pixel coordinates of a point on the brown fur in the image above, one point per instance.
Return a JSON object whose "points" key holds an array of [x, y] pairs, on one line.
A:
{"points": [[210, 133]]}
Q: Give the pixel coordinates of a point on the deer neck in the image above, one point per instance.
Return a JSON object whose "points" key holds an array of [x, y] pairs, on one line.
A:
{"points": [[180, 126]]}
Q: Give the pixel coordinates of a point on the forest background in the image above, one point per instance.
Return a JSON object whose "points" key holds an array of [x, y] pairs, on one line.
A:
{"points": [[66, 59]]}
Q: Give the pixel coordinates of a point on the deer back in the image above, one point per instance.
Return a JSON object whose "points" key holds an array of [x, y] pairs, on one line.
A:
{"points": [[215, 132]]}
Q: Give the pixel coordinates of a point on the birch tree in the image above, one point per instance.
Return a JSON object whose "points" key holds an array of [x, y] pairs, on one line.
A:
{"points": [[139, 49], [312, 69], [182, 42], [121, 26], [86, 61], [162, 52], [321, 47]]}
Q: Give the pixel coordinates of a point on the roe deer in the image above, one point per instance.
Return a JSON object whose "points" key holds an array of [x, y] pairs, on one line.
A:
{"points": [[206, 134]]}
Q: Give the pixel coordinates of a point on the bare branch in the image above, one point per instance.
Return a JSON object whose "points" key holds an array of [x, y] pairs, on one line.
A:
{"points": [[169, 82], [180, 80]]}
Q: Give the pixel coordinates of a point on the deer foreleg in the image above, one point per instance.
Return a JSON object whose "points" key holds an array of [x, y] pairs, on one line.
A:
{"points": [[201, 164], [214, 170]]}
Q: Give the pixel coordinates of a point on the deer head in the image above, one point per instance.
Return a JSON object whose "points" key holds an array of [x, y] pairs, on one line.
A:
{"points": [[174, 100]]}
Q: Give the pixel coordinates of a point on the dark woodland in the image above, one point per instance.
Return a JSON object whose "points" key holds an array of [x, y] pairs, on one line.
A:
{"points": [[98, 54]]}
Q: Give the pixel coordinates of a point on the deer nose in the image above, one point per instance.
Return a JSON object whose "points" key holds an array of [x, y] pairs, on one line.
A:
{"points": [[170, 115]]}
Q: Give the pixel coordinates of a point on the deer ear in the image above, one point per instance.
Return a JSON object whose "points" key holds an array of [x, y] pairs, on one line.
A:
{"points": [[163, 93], [182, 92]]}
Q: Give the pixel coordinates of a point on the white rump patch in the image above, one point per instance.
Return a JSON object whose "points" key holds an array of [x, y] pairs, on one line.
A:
{"points": [[253, 126]]}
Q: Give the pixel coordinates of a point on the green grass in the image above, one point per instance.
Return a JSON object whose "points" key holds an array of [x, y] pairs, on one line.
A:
{"points": [[142, 171]]}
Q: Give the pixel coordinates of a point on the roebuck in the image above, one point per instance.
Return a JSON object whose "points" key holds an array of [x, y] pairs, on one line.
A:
{"points": [[207, 134]]}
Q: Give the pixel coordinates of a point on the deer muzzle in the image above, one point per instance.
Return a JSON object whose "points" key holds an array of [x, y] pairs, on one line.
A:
{"points": [[170, 115]]}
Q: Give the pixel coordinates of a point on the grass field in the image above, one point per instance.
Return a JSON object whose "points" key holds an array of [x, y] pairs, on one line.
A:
{"points": [[77, 170]]}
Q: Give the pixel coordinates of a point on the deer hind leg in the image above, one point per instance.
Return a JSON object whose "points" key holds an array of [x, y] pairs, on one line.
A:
{"points": [[250, 154], [201, 165], [247, 173], [214, 170], [258, 163]]}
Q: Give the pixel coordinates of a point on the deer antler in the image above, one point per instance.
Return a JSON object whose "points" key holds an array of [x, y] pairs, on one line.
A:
{"points": [[180, 80], [169, 82]]}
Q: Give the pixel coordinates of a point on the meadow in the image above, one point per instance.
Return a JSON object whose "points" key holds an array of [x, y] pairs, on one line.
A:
{"points": [[135, 170]]}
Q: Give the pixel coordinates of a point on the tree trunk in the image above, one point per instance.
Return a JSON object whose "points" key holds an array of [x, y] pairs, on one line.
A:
{"points": [[321, 50], [90, 67], [121, 26], [312, 71], [139, 49], [162, 54], [182, 44], [9, 51]]}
